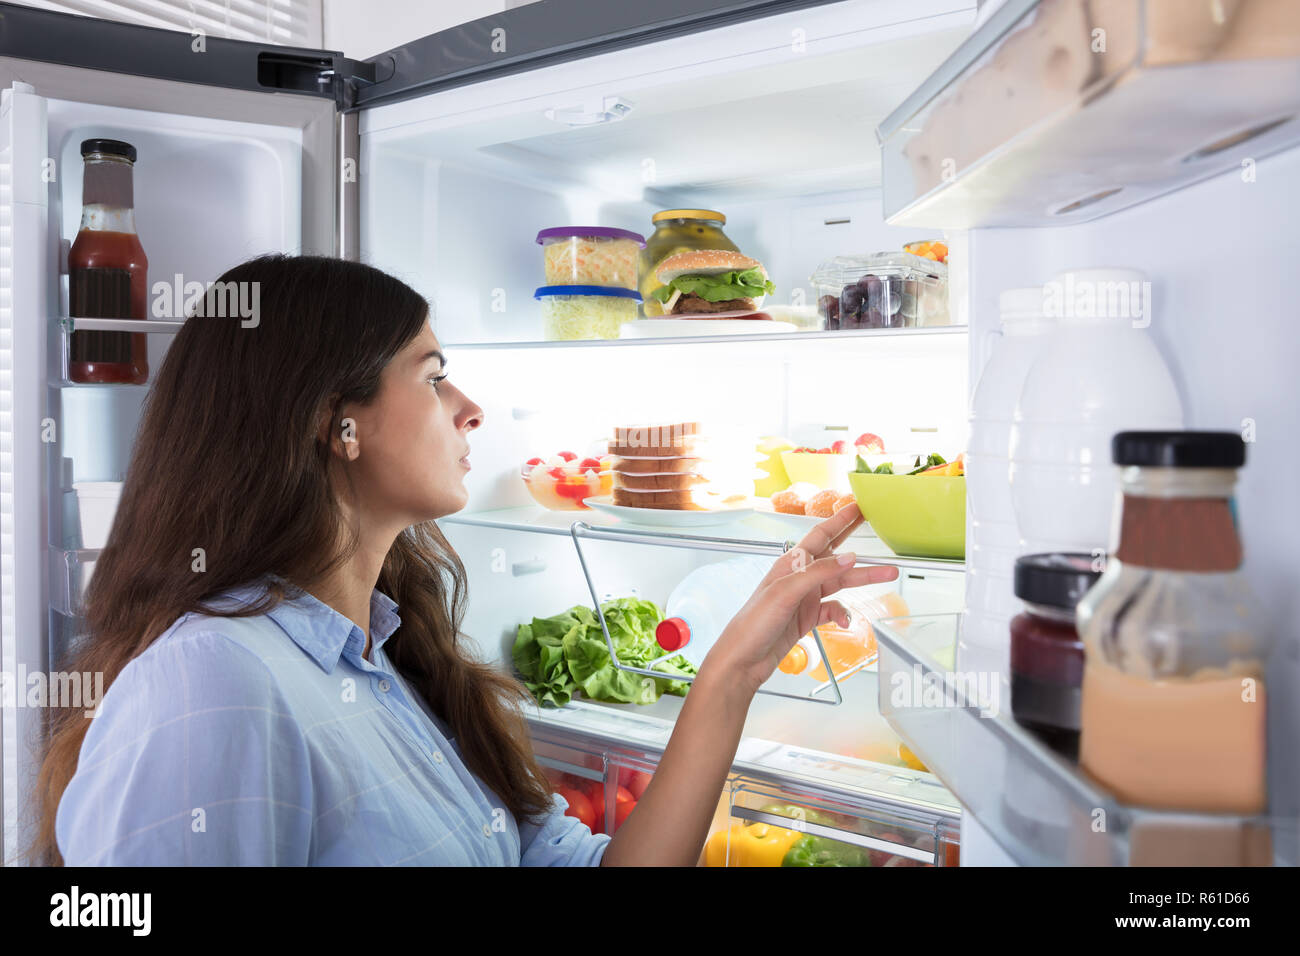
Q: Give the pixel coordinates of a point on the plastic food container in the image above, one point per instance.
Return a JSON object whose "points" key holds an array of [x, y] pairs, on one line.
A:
{"points": [[97, 504], [565, 486], [887, 290], [591, 255], [585, 311]]}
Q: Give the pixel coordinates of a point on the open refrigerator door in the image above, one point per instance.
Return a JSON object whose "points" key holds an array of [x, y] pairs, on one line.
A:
{"points": [[222, 172]]}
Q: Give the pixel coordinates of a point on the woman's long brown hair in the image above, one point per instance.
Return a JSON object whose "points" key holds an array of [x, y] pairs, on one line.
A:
{"points": [[227, 458]]}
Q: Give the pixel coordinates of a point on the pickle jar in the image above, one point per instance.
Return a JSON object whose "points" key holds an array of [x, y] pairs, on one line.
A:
{"points": [[678, 230]]}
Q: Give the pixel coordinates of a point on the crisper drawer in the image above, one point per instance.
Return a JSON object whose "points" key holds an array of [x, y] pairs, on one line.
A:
{"points": [[771, 825], [601, 785]]}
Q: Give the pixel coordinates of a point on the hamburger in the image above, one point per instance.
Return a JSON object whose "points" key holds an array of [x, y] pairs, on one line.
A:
{"points": [[711, 280]]}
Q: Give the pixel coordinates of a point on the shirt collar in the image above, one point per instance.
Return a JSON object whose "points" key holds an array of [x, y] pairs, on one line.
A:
{"points": [[318, 629]]}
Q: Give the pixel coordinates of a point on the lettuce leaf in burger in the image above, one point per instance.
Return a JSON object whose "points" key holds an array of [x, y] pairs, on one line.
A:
{"points": [[711, 280]]}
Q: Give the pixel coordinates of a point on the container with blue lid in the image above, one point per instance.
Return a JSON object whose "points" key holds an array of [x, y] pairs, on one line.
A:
{"points": [[585, 311]]}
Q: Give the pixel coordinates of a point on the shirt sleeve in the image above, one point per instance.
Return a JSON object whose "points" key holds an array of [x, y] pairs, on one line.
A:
{"points": [[193, 759], [560, 840]]}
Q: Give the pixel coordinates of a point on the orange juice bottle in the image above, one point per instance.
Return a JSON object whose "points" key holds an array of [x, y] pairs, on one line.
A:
{"points": [[845, 648]]}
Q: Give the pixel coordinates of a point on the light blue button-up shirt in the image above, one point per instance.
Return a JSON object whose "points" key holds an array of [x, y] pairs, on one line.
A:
{"points": [[270, 740]]}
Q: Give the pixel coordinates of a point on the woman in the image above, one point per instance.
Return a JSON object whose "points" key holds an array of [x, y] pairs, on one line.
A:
{"points": [[277, 614]]}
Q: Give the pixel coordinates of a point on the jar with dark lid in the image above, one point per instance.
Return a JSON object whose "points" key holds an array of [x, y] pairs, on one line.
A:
{"points": [[678, 230], [1174, 705], [1046, 652]]}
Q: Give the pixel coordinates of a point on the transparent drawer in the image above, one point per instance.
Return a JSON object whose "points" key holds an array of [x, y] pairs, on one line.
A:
{"points": [[768, 825], [1039, 806]]}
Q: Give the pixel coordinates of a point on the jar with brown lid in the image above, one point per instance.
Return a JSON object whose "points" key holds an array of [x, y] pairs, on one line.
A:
{"points": [[1173, 704]]}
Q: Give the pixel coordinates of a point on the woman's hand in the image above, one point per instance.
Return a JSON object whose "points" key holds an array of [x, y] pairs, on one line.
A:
{"points": [[788, 602]]}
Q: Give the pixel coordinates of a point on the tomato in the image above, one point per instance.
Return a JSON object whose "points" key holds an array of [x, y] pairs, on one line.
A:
{"points": [[622, 812], [636, 781], [595, 791], [579, 806]]}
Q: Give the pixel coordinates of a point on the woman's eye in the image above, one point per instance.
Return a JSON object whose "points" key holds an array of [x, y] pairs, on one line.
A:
{"points": [[436, 379]]}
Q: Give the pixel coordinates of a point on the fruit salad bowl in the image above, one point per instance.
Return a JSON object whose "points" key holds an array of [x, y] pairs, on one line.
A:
{"points": [[563, 482]]}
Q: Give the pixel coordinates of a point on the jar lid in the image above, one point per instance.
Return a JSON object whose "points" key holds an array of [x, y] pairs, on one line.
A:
{"points": [[110, 147], [587, 290], [689, 214], [556, 233], [1179, 449], [1057, 580]]}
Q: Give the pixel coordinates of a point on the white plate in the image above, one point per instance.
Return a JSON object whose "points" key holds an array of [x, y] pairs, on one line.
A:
{"points": [[802, 524], [665, 517], [713, 325]]}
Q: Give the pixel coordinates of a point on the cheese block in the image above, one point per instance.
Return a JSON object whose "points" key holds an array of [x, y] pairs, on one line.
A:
{"points": [[667, 500], [656, 465], [672, 482]]}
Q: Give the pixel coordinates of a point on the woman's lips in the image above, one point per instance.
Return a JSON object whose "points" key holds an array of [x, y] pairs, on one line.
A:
{"points": [[465, 462]]}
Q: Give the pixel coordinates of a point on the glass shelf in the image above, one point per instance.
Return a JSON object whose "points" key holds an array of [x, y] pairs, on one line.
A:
{"points": [[756, 527], [807, 335], [1039, 806]]}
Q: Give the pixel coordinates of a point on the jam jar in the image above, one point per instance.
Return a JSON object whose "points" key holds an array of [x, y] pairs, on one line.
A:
{"points": [[678, 230], [1046, 652]]}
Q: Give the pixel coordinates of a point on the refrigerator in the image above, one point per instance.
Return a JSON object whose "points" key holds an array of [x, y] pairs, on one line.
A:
{"points": [[440, 160]]}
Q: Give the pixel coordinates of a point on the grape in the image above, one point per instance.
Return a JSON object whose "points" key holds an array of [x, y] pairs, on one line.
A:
{"points": [[851, 298], [830, 307], [872, 319]]}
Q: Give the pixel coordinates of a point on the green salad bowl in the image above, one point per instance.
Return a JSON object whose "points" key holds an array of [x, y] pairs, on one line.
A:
{"points": [[919, 516]]}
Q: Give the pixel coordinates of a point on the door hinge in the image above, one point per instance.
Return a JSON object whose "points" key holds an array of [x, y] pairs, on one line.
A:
{"points": [[331, 74]]}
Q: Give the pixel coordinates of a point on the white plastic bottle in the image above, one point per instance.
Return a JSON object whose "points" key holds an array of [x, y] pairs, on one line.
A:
{"points": [[1101, 373], [993, 542], [705, 601]]}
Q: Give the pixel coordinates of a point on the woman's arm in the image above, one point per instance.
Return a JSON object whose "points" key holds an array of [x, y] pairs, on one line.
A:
{"points": [[670, 823]]}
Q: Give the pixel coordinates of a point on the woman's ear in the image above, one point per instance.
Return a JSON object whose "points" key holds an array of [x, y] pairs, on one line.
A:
{"points": [[344, 441]]}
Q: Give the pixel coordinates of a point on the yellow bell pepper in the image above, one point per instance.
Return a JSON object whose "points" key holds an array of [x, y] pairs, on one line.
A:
{"points": [[753, 844]]}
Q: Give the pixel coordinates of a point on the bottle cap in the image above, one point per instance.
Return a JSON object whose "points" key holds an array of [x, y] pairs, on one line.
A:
{"points": [[673, 634], [1179, 449], [1056, 580], [109, 147]]}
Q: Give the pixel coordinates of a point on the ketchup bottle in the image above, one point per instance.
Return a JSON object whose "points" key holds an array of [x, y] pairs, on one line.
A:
{"points": [[108, 270]]}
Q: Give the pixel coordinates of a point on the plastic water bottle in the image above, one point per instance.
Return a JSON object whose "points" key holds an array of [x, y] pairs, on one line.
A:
{"points": [[705, 601]]}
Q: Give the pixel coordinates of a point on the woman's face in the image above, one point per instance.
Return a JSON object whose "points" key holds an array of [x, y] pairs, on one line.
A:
{"points": [[412, 441]]}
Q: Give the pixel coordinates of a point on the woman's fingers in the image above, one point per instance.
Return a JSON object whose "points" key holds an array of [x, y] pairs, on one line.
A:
{"points": [[820, 542], [814, 579]]}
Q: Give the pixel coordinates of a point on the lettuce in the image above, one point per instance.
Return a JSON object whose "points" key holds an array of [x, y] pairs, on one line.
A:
{"points": [[564, 653], [719, 288]]}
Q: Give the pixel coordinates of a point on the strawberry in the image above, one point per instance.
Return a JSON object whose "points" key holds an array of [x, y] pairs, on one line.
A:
{"points": [[533, 461], [556, 473], [589, 463], [872, 443], [839, 447], [568, 455]]}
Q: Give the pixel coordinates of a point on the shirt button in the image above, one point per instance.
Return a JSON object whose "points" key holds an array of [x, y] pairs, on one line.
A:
{"points": [[437, 757], [487, 830], [384, 686]]}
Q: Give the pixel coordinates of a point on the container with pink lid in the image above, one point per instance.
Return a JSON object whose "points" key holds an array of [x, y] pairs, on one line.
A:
{"points": [[591, 255]]}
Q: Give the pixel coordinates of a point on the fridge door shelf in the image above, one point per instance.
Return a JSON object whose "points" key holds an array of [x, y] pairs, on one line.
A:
{"points": [[70, 572], [757, 531], [1040, 807], [86, 324], [807, 335], [1088, 108]]}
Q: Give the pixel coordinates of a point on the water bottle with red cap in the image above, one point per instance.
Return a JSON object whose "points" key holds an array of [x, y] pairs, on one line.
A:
{"points": [[705, 601]]}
